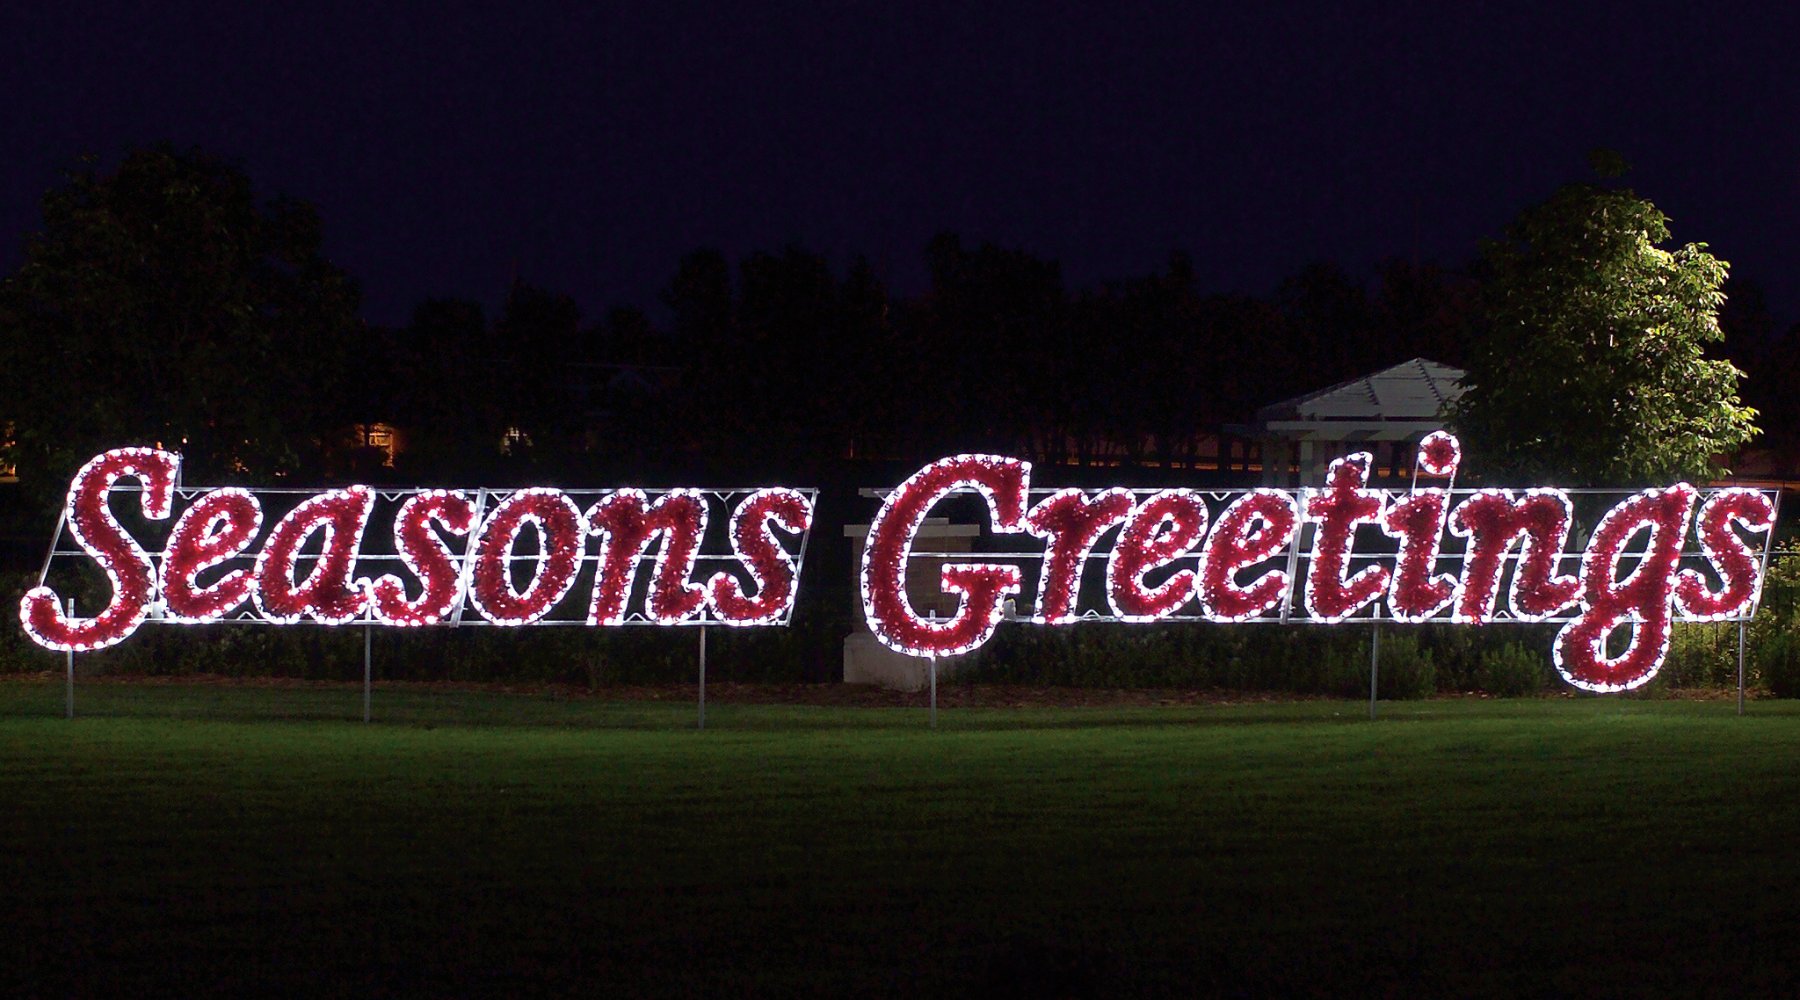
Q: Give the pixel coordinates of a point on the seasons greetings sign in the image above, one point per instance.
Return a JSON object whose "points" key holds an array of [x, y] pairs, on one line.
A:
{"points": [[1617, 576]]}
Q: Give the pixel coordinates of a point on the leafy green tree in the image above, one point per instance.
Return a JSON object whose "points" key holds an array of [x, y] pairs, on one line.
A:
{"points": [[1589, 366], [162, 303]]}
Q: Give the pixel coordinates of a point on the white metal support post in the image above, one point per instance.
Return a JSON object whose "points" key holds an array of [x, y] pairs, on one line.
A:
{"points": [[931, 673], [932, 669], [1740, 668], [69, 685], [702, 677]]}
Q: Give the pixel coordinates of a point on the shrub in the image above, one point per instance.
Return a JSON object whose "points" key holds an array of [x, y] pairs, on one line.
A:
{"points": [[1406, 668], [1774, 633], [1455, 654], [1325, 666], [1701, 654], [1510, 670], [1778, 663], [17, 653]]}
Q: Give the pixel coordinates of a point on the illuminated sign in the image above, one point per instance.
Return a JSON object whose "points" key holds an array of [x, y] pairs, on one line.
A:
{"points": [[1427, 554], [1614, 568], [512, 555]]}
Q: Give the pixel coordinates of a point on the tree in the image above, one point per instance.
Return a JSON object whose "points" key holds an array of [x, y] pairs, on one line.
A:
{"points": [[162, 304], [996, 326], [539, 354], [785, 364], [1588, 366], [1777, 370], [1331, 326], [1421, 311], [449, 393]]}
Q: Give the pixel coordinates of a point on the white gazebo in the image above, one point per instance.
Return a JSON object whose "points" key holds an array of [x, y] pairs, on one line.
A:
{"points": [[1385, 412]]}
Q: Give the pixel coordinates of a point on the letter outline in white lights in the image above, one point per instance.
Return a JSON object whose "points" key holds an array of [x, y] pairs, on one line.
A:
{"points": [[353, 554], [1430, 553], [1342, 552]]}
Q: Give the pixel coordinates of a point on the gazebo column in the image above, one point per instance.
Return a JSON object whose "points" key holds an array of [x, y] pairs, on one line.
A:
{"points": [[1274, 461]]}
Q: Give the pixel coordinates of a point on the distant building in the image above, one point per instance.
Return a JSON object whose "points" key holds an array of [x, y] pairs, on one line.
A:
{"points": [[378, 437], [1385, 413], [9, 473]]}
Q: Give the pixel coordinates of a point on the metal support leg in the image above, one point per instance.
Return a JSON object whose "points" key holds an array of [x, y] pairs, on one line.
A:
{"points": [[69, 685], [1374, 665], [933, 672], [368, 673], [1740, 668], [703, 677]]}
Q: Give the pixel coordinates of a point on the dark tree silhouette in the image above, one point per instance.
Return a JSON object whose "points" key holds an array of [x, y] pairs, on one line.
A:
{"points": [[163, 303], [448, 397], [538, 348], [1421, 311], [997, 336], [1332, 326]]}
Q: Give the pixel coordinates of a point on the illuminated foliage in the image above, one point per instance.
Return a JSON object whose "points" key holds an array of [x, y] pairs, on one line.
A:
{"points": [[1590, 366]]}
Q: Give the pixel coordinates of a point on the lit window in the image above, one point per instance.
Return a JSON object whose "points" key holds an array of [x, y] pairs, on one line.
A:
{"points": [[8, 471], [383, 438], [514, 441]]}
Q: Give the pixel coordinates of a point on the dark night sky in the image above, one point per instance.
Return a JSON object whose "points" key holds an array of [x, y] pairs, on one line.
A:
{"points": [[450, 147]]}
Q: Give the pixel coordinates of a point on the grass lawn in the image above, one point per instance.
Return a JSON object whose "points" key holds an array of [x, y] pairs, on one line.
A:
{"points": [[199, 839]]}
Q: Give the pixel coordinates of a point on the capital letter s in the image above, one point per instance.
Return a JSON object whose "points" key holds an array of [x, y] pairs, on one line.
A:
{"points": [[100, 535]]}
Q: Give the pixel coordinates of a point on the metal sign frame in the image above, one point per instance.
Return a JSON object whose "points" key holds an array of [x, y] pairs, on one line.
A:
{"points": [[1372, 548], [721, 502]]}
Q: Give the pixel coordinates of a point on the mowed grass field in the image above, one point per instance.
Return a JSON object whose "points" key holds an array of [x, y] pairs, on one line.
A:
{"points": [[204, 839]]}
